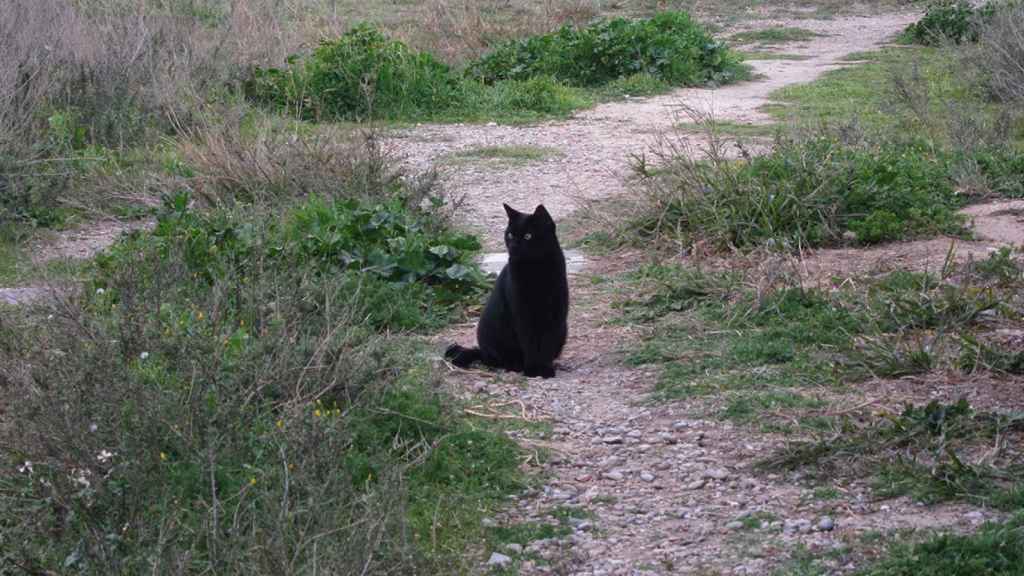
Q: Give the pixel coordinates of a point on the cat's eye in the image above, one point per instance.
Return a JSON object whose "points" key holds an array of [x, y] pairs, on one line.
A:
{"points": [[508, 235], [527, 236]]}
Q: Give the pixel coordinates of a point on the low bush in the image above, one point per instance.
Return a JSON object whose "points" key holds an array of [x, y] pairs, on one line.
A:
{"points": [[246, 157], [1000, 54], [669, 46], [81, 82], [227, 394], [949, 21], [364, 74], [815, 191]]}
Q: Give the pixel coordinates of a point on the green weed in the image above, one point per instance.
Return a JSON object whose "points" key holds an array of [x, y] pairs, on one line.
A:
{"points": [[669, 46], [242, 367], [996, 549], [513, 155], [949, 21], [918, 452], [364, 74], [806, 192], [772, 36], [773, 56]]}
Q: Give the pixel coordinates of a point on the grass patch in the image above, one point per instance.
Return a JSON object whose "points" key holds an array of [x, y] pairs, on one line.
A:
{"points": [[853, 92], [772, 36], [729, 128], [634, 85], [712, 337], [996, 549], [512, 155], [759, 55], [11, 261], [756, 520], [920, 452], [817, 191], [760, 351]]}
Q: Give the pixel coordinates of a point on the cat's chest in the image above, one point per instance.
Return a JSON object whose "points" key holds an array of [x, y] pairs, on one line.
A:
{"points": [[536, 285]]}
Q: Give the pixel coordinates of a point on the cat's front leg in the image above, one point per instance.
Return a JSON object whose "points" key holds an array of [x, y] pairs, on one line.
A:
{"points": [[542, 370]]}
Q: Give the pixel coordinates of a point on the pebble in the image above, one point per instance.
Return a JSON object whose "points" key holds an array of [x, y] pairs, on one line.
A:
{"points": [[612, 439], [498, 559], [716, 473], [800, 525], [635, 434], [612, 475], [488, 523], [647, 476], [734, 525], [514, 548], [695, 485], [826, 524]]}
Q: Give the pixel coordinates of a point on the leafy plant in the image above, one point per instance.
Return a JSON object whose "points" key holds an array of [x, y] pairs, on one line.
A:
{"points": [[997, 549], [670, 46], [244, 366], [359, 75], [949, 20], [817, 191], [364, 74]]}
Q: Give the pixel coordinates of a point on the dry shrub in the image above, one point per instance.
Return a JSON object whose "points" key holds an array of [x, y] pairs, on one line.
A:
{"points": [[229, 165], [459, 30], [77, 77], [123, 67], [1000, 54]]}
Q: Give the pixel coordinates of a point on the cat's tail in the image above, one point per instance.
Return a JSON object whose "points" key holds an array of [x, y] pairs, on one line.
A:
{"points": [[462, 356]]}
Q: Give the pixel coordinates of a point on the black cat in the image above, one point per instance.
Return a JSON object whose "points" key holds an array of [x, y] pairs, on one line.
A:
{"points": [[525, 323]]}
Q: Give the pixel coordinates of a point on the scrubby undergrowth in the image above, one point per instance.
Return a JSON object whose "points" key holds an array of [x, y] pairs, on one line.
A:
{"points": [[232, 393], [365, 74]]}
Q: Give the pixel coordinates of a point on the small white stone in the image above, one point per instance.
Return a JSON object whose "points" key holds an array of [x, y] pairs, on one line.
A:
{"points": [[498, 559]]}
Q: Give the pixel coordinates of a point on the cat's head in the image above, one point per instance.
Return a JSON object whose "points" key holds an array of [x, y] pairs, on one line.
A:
{"points": [[529, 236]]}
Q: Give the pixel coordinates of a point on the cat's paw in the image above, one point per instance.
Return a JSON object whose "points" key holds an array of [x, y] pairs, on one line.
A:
{"points": [[542, 371]]}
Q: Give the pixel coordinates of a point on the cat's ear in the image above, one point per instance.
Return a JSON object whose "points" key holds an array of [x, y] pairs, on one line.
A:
{"points": [[512, 212], [541, 213]]}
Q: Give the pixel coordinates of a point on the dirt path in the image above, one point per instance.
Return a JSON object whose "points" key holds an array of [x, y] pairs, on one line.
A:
{"points": [[592, 150], [662, 488], [75, 244]]}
